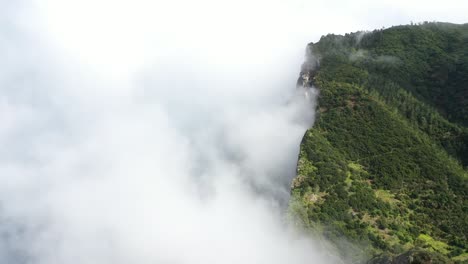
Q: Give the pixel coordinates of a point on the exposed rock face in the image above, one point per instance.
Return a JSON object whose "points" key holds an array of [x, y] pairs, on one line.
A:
{"points": [[308, 69]]}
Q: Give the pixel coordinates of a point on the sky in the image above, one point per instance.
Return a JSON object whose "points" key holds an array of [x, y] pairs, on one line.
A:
{"points": [[163, 131]]}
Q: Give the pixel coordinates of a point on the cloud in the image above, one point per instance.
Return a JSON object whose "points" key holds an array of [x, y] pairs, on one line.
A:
{"points": [[156, 132]]}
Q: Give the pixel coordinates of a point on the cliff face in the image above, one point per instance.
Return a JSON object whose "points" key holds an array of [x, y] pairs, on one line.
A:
{"points": [[383, 166]]}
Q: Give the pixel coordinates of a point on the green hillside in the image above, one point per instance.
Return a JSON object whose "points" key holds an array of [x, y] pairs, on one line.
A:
{"points": [[384, 167]]}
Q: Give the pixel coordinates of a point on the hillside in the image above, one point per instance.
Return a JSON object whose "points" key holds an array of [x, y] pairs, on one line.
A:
{"points": [[384, 167]]}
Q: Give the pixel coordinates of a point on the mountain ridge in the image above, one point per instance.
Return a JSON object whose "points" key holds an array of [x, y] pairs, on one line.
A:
{"points": [[384, 165]]}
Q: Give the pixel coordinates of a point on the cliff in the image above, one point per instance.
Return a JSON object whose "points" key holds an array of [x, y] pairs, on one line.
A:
{"points": [[384, 166]]}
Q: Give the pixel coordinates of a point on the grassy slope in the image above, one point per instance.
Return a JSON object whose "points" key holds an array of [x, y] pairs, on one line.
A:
{"points": [[382, 165]]}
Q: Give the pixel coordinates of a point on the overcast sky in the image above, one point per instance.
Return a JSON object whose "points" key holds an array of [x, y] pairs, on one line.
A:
{"points": [[163, 131]]}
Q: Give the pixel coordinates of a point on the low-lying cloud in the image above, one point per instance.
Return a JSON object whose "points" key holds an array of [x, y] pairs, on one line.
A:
{"points": [[112, 157]]}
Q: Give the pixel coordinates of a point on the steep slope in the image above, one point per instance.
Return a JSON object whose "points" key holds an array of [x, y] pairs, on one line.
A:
{"points": [[383, 164]]}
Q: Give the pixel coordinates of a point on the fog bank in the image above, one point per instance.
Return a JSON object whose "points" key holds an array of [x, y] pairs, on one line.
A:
{"points": [[134, 138]]}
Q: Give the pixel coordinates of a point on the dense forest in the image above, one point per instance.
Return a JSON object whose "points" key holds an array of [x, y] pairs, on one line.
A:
{"points": [[383, 172]]}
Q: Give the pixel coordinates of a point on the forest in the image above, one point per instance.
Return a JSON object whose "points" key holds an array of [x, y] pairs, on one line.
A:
{"points": [[384, 169]]}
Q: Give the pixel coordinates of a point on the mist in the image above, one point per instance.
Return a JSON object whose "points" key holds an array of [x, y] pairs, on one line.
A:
{"points": [[131, 141], [156, 132]]}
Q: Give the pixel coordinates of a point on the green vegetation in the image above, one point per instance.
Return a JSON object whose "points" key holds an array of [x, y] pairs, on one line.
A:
{"points": [[385, 164], [415, 256]]}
